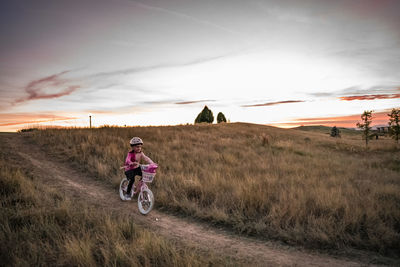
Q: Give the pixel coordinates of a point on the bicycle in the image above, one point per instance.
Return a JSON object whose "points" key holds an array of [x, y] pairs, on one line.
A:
{"points": [[145, 195]]}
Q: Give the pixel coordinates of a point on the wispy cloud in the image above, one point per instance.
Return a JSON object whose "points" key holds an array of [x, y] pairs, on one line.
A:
{"points": [[274, 103], [35, 88], [188, 17], [7, 119], [377, 89], [369, 97], [193, 102], [358, 90], [321, 94], [129, 71]]}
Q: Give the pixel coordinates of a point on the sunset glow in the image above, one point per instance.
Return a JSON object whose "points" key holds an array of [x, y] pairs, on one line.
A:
{"points": [[380, 118]]}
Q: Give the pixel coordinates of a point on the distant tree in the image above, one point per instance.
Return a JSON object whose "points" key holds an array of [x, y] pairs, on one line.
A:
{"points": [[335, 132], [394, 124], [205, 115], [366, 117], [221, 117]]}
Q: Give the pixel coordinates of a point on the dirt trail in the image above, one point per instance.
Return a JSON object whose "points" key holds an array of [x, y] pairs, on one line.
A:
{"points": [[247, 250]]}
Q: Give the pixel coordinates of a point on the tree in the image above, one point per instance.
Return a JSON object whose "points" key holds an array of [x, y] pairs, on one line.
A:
{"points": [[335, 132], [205, 115], [366, 117], [221, 117], [394, 124]]}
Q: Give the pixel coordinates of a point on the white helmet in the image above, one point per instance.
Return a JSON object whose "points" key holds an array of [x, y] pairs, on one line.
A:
{"points": [[136, 141]]}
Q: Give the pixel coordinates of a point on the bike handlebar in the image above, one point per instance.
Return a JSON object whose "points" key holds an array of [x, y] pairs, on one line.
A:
{"points": [[123, 167]]}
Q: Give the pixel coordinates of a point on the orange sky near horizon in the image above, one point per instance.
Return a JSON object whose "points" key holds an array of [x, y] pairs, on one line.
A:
{"points": [[24, 121], [378, 118]]}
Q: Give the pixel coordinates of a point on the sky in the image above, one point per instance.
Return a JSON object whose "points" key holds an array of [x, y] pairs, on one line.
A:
{"points": [[159, 62]]}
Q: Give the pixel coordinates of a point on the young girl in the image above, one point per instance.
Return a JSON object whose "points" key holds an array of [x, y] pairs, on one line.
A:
{"points": [[132, 167]]}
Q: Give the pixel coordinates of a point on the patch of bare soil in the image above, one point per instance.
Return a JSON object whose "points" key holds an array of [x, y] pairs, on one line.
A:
{"points": [[81, 186]]}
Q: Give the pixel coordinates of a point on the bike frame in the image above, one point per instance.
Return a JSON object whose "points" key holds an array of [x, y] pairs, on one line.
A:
{"points": [[140, 187]]}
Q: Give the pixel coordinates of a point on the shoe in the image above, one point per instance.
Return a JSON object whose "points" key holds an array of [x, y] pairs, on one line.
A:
{"points": [[128, 197]]}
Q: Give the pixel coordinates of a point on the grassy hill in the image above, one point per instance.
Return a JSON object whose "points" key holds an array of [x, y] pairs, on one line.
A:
{"points": [[300, 187]]}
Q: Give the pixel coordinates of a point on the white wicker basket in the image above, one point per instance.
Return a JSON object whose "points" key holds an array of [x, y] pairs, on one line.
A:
{"points": [[147, 177]]}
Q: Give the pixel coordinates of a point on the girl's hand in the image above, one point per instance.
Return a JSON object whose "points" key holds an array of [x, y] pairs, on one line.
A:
{"points": [[134, 164]]}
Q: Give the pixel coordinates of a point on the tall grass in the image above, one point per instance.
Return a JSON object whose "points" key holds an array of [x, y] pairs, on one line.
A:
{"points": [[299, 187], [42, 227]]}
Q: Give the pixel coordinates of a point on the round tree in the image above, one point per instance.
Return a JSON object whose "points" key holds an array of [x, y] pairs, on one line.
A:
{"points": [[221, 117]]}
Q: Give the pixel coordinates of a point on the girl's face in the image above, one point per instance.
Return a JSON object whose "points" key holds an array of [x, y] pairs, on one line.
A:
{"points": [[137, 148]]}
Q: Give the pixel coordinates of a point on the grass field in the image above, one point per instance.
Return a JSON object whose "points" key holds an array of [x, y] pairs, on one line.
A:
{"points": [[42, 227], [300, 187]]}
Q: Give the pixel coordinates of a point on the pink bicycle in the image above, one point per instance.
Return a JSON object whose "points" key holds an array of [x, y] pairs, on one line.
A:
{"points": [[145, 195]]}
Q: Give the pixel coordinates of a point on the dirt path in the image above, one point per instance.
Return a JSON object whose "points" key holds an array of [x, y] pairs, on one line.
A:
{"points": [[80, 185]]}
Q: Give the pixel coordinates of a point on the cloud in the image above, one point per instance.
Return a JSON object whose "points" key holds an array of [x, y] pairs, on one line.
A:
{"points": [[358, 90], [324, 94], [274, 103], [7, 119], [189, 17], [116, 110], [193, 102], [35, 89], [130, 71], [377, 89], [369, 97]]}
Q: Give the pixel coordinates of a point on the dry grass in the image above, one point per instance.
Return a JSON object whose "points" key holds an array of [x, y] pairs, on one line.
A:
{"points": [[299, 187], [42, 227]]}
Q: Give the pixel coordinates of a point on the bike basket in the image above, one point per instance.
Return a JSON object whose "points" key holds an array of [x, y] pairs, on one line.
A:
{"points": [[147, 177], [148, 172]]}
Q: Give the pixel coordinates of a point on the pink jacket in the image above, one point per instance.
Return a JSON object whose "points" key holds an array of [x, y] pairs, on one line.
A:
{"points": [[133, 157]]}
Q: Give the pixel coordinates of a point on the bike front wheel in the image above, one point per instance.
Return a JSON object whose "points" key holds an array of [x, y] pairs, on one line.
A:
{"points": [[145, 201], [123, 186]]}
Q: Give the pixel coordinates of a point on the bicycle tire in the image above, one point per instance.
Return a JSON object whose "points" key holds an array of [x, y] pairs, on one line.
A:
{"points": [[145, 201], [123, 186]]}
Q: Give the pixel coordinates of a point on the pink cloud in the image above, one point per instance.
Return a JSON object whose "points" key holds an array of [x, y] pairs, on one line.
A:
{"points": [[36, 88], [8, 119], [369, 97]]}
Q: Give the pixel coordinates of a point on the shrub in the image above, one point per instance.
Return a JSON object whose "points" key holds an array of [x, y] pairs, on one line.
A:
{"points": [[28, 130], [335, 132], [221, 117]]}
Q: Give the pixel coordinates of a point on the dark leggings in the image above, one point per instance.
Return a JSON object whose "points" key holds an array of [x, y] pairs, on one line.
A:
{"points": [[131, 177]]}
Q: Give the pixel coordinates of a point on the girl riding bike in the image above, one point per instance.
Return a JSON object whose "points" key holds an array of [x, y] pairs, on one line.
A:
{"points": [[132, 167]]}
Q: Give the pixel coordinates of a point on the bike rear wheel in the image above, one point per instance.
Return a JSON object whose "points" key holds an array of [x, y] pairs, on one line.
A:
{"points": [[145, 201], [123, 186]]}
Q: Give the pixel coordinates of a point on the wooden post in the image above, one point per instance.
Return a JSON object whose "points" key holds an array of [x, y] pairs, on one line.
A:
{"points": [[90, 121]]}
